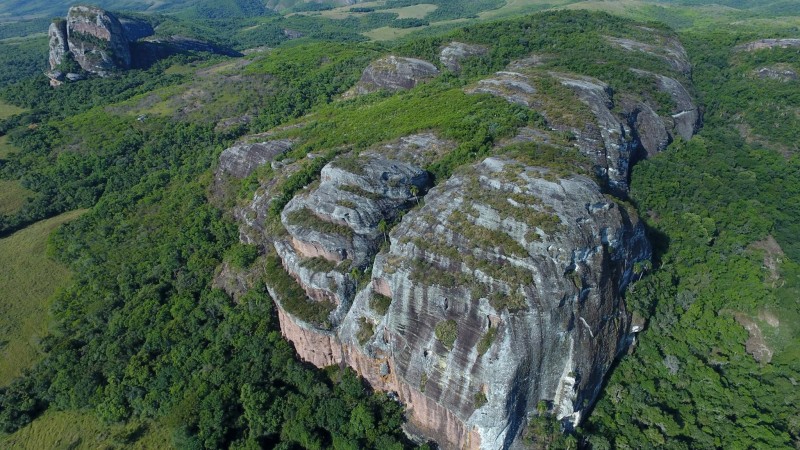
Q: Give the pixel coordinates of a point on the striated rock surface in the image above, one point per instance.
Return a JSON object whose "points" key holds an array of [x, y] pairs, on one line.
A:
{"points": [[504, 289], [668, 49], [58, 43], [241, 160], [624, 129], [97, 40], [452, 54], [769, 43], [512, 86], [339, 220], [394, 73]]}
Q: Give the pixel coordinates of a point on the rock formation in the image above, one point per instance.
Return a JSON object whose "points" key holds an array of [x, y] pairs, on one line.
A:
{"points": [[783, 74], [769, 43], [625, 128], [452, 54], [503, 290], [58, 43], [241, 160], [669, 50], [97, 40], [394, 73], [512, 86]]}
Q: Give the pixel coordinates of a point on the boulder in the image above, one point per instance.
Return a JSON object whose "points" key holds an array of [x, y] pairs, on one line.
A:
{"points": [[453, 53], [240, 160], [394, 73]]}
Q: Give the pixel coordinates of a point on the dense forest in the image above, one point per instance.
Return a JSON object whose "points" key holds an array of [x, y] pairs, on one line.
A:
{"points": [[141, 333]]}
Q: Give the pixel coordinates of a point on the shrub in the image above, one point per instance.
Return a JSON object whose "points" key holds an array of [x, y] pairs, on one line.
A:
{"points": [[446, 332]]}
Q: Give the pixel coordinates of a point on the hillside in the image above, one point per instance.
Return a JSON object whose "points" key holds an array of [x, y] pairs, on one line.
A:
{"points": [[565, 228]]}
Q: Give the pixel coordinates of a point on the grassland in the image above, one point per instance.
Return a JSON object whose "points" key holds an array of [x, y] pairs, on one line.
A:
{"points": [[7, 110], [414, 11], [12, 196], [28, 281], [5, 147], [389, 33], [76, 430]]}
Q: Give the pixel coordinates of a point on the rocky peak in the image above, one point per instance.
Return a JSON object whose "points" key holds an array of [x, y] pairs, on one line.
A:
{"points": [[90, 39], [97, 40], [503, 290]]}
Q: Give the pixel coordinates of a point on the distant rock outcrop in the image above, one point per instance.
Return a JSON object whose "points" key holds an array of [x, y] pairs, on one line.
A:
{"points": [[91, 41], [512, 86], [670, 50], [769, 43], [783, 74], [240, 160], [97, 40], [394, 73], [453, 53]]}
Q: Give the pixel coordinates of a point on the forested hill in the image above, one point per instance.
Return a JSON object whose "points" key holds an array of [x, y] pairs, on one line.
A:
{"points": [[164, 333]]}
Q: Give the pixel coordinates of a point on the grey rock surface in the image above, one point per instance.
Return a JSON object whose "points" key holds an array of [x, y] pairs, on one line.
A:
{"points": [[782, 74], [453, 53], [136, 28], [241, 160], [97, 40], [58, 43], [762, 44], [394, 73], [670, 50], [536, 260], [339, 220], [512, 86]]}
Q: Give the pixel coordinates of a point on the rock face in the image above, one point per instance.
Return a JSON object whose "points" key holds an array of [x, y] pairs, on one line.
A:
{"points": [[455, 52], [669, 50], [97, 40], [394, 73], [769, 43], [58, 43], [512, 86], [135, 28], [241, 160], [625, 128], [339, 220], [503, 290]]}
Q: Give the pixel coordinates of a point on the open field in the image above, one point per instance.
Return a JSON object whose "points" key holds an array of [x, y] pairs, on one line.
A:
{"points": [[12, 196], [78, 430], [7, 110], [5, 147], [413, 12], [389, 33], [27, 282]]}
